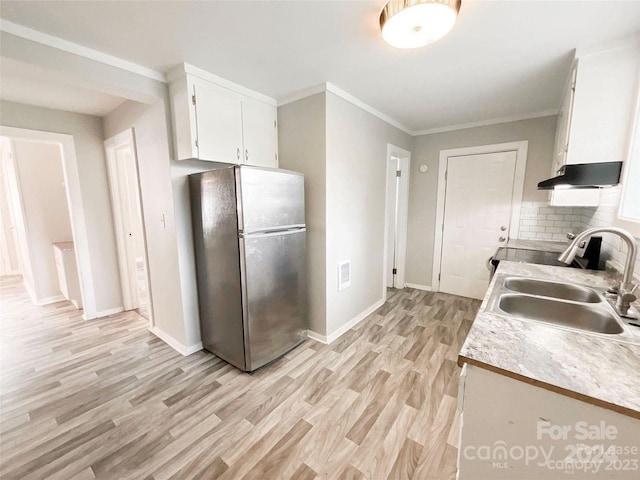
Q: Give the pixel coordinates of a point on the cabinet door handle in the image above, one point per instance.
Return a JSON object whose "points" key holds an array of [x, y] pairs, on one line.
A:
{"points": [[238, 151], [246, 155], [501, 239]]}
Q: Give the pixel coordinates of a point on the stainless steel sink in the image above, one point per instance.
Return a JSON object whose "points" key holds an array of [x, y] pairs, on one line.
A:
{"points": [[572, 315], [542, 288], [566, 306]]}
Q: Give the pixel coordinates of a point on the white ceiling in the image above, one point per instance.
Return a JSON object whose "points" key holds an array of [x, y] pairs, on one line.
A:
{"points": [[502, 59], [34, 85]]}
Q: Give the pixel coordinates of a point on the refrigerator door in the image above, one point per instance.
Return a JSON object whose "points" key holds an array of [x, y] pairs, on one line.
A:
{"points": [[269, 199], [274, 295], [217, 249]]}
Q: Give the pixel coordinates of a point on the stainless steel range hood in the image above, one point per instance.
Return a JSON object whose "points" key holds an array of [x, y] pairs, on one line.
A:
{"points": [[585, 175]]}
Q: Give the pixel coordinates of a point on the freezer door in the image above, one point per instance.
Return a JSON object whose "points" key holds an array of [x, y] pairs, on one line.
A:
{"points": [[274, 277], [269, 199]]}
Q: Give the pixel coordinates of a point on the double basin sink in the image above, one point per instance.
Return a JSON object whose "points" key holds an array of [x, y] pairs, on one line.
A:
{"points": [[563, 305]]}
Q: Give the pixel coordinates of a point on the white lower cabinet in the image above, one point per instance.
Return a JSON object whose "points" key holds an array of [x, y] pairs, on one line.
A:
{"points": [[512, 429], [65, 257]]}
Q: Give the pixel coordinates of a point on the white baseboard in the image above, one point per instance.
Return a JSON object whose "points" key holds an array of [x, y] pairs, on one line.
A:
{"points": [[110, 311], [175, 344], [29, 288], [417, 286], [317, 337], [333, 336], [49, 300], [193, 348]]}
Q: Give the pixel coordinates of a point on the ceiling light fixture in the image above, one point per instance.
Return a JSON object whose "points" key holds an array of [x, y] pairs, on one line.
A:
{"points": [[416, 23]]}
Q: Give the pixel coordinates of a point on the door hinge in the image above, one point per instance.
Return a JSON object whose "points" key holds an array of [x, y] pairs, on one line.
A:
{"points": [[193, 98], [275, 124], [446, 172], [398, 173], [196, 142], [395, 271], [276, 155], [438, 277]]}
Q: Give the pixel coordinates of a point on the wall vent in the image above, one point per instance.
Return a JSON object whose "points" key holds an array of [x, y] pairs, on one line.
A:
{"points": [[344, 275]]}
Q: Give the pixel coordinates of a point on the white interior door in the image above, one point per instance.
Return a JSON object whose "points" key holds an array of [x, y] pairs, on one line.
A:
{"points": [[478, 200], [397, 213], [127, 215], [392, 224]]}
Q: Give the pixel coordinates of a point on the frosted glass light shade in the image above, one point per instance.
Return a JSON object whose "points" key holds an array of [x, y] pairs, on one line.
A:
{"points": [[415, 23]]}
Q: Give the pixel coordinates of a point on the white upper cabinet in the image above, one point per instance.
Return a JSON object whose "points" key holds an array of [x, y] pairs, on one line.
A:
{"points": [[596, 114], [218, 114], [259, 127], [216, 120]]}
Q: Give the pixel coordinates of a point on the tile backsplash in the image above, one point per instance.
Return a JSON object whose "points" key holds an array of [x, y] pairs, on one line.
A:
{"points": [[539, 221]]}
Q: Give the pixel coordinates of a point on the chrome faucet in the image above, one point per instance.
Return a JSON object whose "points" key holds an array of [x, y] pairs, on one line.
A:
{"points": [[625, 294]]}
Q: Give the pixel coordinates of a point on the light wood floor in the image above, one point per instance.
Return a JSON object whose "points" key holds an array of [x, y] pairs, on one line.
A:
{"points": [[107, 399]]}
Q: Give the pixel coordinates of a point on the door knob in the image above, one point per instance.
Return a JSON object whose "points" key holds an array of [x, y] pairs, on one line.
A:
{"points": [[503, 228], [501, 239]]}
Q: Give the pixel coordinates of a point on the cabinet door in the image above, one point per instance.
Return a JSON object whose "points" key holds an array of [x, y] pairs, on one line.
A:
{"points": [[260, 133], [219, 123], [564, 124]]}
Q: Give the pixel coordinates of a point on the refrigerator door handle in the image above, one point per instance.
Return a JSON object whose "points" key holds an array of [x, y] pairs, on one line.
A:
{"points": [[272, 233]]}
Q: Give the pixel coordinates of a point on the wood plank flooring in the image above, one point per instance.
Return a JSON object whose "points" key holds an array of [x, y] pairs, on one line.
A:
{"points": [[107, 399]]}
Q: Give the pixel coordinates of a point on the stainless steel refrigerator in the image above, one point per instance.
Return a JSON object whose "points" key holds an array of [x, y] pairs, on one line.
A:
{"points": [[249, 238]]}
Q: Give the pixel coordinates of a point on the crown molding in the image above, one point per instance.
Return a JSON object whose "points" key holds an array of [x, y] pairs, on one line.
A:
{"points": [[76, 49], [187, 69], [484, 123], [304, 93], [330, 87]]}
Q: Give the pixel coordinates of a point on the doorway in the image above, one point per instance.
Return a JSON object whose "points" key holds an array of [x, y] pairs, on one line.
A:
{"points": [[124, 182], [478, 211], [36, 210], [397, 207]]}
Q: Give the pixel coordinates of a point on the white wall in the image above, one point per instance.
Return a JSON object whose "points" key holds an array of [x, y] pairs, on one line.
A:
{"points": [[154, 164], [302, 148], [540, 132], [41, 181], [87, 133]]}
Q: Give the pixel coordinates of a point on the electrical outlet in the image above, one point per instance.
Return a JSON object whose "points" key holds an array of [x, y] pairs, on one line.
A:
{"points": [[344, 274]]}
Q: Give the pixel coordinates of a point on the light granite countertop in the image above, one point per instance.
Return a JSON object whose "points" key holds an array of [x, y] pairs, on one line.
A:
{"points": [[594, 369]]}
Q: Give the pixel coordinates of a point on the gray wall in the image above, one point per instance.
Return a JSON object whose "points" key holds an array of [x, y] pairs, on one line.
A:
{"points": [[94, 186], [356, 188], [154, 159], [302, 147], [540, 132]]}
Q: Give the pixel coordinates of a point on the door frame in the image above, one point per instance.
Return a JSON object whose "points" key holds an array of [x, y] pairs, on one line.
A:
{"points": [[402, 216], [521, 149], [75, 205], [128, 288]]}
